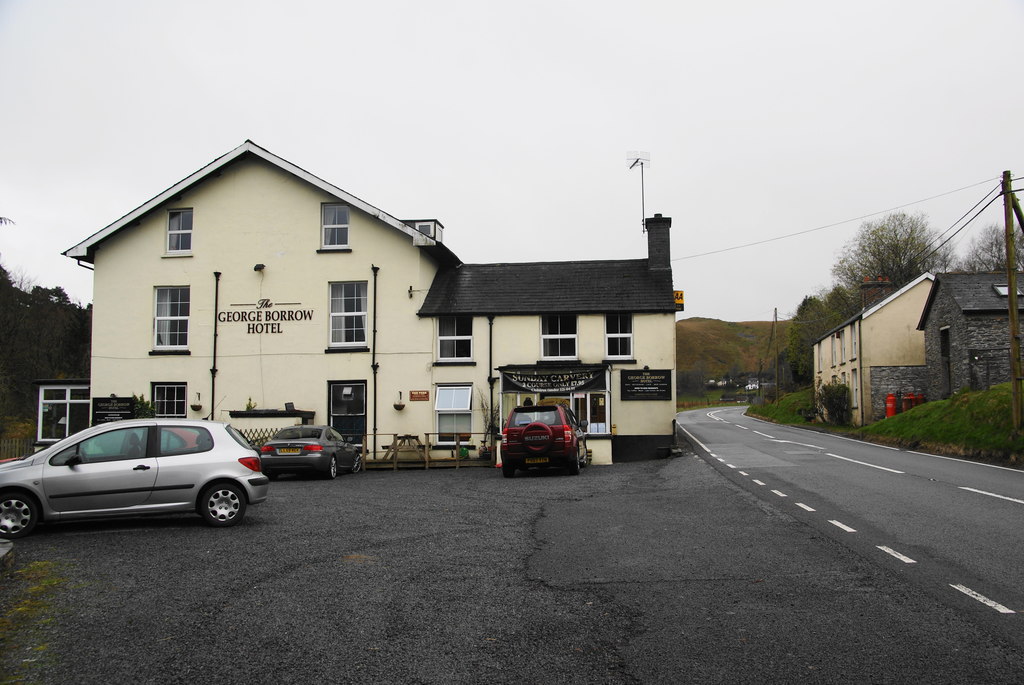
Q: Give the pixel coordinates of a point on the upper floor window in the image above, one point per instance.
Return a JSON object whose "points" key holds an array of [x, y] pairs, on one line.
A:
{"points": [[179, 230], [455, 337], [842, 345], [348, 313], [170, 324], [558, 337], [335, 226], [618, 336]]}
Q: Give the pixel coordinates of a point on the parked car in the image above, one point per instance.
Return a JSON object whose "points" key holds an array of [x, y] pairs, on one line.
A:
{"points": [[310, 449], [127, 468], [543, 437]]}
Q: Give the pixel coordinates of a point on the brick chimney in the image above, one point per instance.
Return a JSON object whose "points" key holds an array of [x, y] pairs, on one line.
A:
{"points": [[658, 253], [875, 290]]}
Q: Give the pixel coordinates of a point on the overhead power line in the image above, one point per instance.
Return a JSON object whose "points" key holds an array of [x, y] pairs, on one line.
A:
{"points": [[832, 225]]}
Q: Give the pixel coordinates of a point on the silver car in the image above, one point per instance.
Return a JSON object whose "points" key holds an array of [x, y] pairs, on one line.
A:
{"points": [[127, 468]]}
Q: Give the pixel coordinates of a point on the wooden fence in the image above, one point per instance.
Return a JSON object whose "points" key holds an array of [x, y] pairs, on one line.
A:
{"points": [[15, 447]]}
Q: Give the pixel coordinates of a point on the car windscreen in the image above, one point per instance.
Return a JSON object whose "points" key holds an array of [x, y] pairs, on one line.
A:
{"points": [[548, 416]]}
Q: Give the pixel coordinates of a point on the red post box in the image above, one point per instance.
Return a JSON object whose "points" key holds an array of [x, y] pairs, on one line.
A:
{"points": [[890, 405]]}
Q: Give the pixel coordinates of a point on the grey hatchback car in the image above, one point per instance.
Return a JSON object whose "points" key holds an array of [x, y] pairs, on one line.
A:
{"points": [[128, 468]]}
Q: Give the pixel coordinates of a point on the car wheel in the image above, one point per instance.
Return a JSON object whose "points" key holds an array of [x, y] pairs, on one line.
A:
{"points": [[19, 514], [222, 504], [332, 469], [507, 470], [357, 464], [574, 463]]}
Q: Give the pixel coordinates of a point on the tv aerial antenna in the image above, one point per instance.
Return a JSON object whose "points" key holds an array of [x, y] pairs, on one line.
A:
{"points": [[640, 159]]}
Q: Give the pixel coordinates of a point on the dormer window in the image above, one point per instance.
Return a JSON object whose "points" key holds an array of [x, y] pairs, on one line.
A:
{"points": [[335, 226], [179, 230], [1004, 290]]}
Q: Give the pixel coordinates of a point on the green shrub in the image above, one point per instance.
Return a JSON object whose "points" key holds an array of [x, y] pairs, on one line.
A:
{"points": [[832, 401]]}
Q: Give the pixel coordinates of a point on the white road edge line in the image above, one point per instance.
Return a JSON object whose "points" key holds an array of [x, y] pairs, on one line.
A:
{"points": [[992, 494], [804, 506], [892, 552], [694, 438], [964, 461], [983, 599], [873, 444], [845, 527], [862, 463]]}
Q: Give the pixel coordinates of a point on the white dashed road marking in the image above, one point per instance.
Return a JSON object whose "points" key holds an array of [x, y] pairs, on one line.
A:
{"points": [[892, 552], [992, 494], [984, 600], [843, 526]]}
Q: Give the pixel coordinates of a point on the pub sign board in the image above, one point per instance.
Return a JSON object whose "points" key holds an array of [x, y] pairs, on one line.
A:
{"points": [[106, 409], [649, 384]]}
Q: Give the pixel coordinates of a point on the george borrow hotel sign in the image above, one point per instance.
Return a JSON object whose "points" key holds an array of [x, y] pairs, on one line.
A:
{"points": [[264, 317]]}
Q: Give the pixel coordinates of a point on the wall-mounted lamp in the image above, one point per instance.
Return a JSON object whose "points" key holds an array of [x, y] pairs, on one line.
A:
{"points": [[259, 267]]}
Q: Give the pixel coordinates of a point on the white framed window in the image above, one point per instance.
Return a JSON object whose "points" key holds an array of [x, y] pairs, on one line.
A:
{"points": [[63, 411], [455, 337], [618, 336], [348, 314], [842, 345], [854, 390], [334, 231], [558, 337], [170, 323], [853, 342], [179, 230], [453, 407], [169, 399]]}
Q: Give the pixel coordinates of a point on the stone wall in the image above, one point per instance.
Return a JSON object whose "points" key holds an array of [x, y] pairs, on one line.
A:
{"points": [[898, 380], [978, 349]]}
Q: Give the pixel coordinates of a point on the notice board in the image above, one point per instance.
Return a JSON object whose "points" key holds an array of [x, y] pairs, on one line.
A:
{"points": [[649, 384]]}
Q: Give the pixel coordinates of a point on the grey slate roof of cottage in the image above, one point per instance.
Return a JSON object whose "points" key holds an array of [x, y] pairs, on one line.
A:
{"points": [[973, 293], [623, 286]]}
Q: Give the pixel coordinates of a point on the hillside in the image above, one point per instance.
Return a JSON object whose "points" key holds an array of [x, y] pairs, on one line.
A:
{"points": [[725, 346]]}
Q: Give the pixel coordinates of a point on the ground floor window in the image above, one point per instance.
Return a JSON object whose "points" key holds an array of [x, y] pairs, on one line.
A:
{"points": [[63, 410], [169, 399], [453, 407]]}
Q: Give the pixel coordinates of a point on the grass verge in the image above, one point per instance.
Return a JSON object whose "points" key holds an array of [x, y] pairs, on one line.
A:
{"points": [[26, 614], [974, 424]]}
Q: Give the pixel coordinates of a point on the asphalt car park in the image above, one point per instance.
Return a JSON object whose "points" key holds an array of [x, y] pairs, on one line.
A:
{"points": [[642, 572]]}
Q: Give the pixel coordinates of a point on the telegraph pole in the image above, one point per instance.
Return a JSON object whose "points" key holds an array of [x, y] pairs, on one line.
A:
{"points": [[1011, 301]]}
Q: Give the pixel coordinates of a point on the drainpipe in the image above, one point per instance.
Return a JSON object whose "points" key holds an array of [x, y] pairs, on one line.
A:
{"points": [[490, 371], [373, 355], [213, 369]]}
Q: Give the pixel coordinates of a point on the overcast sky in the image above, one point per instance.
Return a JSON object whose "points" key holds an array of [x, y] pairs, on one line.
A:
{"points": [[510, 122]]}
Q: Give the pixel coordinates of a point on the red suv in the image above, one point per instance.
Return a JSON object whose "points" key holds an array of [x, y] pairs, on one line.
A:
{"points": [[548, 436]]}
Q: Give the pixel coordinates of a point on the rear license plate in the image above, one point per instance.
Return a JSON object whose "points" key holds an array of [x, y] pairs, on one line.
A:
{"points": [[288, 450], [536, 460]]}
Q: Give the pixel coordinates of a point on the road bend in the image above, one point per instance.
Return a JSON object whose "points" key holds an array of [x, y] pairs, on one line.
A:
{"points": [[951, 526]]}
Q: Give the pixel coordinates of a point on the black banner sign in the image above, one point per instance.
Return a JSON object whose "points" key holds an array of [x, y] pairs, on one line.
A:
{"points": [[563, 380]]}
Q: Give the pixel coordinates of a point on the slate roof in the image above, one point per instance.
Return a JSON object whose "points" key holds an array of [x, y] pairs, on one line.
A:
{"points": [[585, 287], [973, 293]]}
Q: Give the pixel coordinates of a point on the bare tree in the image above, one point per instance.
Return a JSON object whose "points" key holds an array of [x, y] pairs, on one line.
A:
{"points": [[987, 250], [899, 247]]}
